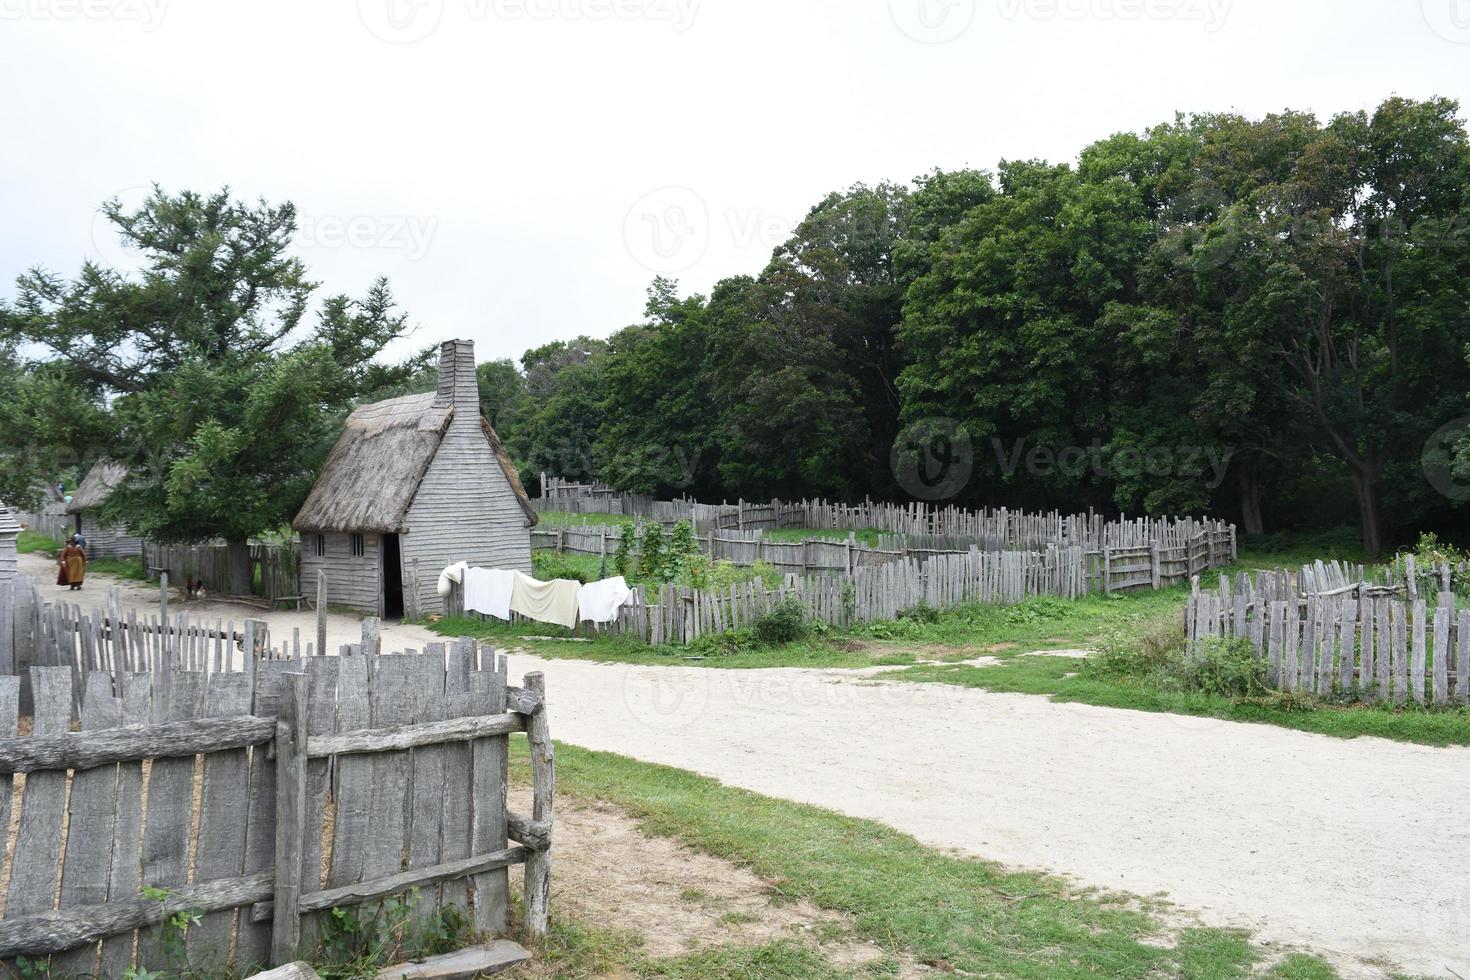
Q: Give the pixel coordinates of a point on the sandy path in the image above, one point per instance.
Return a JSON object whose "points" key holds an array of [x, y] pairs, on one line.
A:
{"points": [[1355, 848]]}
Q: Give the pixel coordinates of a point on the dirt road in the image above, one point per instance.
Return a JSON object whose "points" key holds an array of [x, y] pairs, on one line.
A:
{"points": [[1354, 848]]}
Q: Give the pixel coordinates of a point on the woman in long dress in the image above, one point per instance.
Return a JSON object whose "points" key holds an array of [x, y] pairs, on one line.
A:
{"points": [[74, 560]]}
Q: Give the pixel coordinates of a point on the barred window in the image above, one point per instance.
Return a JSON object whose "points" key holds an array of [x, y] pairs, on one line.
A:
{"points": [[357, 546], [321, 545]]}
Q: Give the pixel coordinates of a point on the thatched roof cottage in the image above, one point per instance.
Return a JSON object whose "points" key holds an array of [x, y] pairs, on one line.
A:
{"points": [[104, 540], [9, 531], [414, 484]]}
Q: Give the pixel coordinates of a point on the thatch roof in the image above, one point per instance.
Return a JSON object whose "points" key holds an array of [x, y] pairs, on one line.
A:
{"points": [[373, 472], [103, 478]]}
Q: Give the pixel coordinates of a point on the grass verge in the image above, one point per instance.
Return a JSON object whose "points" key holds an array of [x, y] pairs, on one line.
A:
{"points": [[33, 542], [951, 914]]}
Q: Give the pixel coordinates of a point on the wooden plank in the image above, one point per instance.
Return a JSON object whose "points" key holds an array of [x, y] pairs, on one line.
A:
{"points": [[291, 723], [1443, 616], [9, 717], [322, 721], [36, 934], [89, 827], [489, 759], [220, 851], [354, 775], [169, 821], [455, 828], [543, 776], [166, 740], [426, 811], [253, 940], [43, 804], [388, 815], [416, 736], [127, 827], [1462, 659], [1419, 652], [380, 888]]}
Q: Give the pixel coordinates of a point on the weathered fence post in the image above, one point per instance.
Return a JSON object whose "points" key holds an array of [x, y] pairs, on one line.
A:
{"points": [[370, 635], [163, 612], [321, 612], [543, 781], [291, 721]]}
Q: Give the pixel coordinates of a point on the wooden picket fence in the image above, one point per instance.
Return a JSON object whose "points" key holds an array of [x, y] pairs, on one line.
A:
{"points": [[275, 569], [1353, 641], [677, 614], [1164, 560], [989, 529], [327, 782]]}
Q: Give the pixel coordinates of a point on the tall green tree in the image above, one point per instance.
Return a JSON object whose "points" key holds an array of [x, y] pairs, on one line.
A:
{"points": [[221, 393]]}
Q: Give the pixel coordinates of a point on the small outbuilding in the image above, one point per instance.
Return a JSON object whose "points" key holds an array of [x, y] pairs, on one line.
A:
{"points": [[414, 484], [9, 531], [104, 540]]}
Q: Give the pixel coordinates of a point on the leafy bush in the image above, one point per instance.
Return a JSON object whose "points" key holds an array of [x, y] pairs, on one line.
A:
{"points": [[786, 623], [922, 613], [627, 543], [651, 563], [726, 644], [548, 565], [1226, 667]]}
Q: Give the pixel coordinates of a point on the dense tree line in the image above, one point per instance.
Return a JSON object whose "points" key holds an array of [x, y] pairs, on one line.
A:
{"points": [[1267, 319], [1264, 318]]}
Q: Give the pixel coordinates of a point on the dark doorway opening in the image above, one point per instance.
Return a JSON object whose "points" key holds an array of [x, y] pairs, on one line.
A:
{"points": [[392, 578]]}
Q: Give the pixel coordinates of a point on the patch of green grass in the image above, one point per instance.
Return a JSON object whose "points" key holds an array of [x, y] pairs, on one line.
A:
{"points": [[131, 569], [1300, 966], [32, 542], [1064, 679], [950, 913], [1286, 549], [553, 642], [560, 518], [865, 535]]}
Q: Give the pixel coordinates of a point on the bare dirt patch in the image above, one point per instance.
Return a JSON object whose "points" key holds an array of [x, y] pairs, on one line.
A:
{"points": [[610, 874]]}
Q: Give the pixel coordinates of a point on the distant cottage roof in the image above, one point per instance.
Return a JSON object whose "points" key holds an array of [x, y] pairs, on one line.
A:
{"points": [[373, 472], [103, 478]]}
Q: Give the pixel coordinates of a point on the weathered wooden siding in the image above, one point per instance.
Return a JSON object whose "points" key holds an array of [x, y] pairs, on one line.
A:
{"points": [[465, 509], [9, 528], [108, 540], [354, 583]]}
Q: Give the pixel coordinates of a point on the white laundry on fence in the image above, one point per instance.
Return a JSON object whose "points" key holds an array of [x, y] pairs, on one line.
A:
{"points": [[599, 602], [488, 591]]}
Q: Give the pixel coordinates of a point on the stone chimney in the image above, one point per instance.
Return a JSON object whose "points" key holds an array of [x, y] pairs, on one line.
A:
{"points": [[457, 384]]}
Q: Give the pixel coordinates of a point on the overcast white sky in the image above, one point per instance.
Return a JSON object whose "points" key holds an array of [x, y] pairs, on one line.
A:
{"points": [[521, 169]]}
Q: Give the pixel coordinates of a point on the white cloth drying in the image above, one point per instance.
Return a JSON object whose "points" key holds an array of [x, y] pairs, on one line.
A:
{"points": [[599, 602], [453, 575], [488, 591]]}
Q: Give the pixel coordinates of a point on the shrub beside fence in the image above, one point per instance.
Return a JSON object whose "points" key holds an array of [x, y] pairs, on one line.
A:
{"points": [[327, 782]]}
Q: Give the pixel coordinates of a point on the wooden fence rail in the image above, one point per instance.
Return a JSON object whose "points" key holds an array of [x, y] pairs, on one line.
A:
{"points": [[328, 782], [1359, 645]]}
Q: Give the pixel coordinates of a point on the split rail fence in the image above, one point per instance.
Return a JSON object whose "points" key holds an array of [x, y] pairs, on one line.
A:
{"points": [[1353, 640], [324, 783]]}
